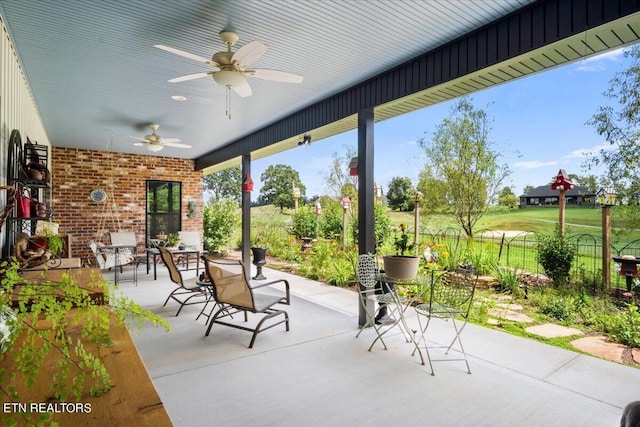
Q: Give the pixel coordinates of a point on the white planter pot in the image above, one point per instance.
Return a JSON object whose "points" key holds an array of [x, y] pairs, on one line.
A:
{"points": [[401, 267]]}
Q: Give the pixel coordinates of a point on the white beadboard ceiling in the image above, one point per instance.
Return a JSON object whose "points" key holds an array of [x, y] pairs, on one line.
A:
{"points": [[97, 79]]}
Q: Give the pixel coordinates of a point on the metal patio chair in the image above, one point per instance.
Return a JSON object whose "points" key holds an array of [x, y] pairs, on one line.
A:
{"points": [[186, 290], [383, 295], [235, 294], [449, 299]]}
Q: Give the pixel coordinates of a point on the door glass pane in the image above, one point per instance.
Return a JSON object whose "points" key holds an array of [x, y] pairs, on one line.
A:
{"points": [[163, 207]]}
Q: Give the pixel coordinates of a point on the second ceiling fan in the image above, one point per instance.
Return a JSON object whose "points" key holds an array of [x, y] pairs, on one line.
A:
{"points": [[231, 68], [154, 142]]}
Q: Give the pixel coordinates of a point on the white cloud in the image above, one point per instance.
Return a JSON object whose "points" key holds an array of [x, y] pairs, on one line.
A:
{"points": [[586, 152], [534, 164], [612, 55], [599, 62], [590, 68]]}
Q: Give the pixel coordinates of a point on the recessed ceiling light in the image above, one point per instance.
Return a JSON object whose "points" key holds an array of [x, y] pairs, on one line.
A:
{"points": [[179, 98]]}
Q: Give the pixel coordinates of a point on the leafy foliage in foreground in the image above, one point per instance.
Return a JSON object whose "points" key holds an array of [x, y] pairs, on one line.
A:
{"points": [[44, 318]]}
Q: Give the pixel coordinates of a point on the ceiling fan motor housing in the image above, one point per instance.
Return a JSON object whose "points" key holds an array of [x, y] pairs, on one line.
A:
{"points": [[222, 58]]}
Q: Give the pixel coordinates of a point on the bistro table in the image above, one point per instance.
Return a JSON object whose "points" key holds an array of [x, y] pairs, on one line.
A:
{"points": [[416, 288], [154, 253]]}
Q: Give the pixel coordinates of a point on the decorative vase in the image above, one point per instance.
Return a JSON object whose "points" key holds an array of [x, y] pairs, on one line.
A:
{"points": [[401, 267], [306, 244], [259, 259]]}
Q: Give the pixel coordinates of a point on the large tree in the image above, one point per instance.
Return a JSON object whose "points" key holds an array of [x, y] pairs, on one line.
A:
{"points": [[277, 186], [400, 194], [507, 198], [619, 124], [434, 198], [460, 155], [224, 184]]}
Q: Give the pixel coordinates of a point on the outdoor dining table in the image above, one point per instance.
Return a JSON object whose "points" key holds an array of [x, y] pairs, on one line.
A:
{"points": [[421, 284]]}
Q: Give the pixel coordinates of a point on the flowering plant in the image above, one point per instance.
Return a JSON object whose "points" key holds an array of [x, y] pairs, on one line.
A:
{"points": [[401, 243]]}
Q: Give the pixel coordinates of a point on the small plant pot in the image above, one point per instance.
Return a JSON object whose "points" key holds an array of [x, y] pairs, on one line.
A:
{"points": [[401, 267]]}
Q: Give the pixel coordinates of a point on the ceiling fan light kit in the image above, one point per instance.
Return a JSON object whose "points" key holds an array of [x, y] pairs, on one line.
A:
{"points": [[154, 148], [228, 78], [230, 69]]}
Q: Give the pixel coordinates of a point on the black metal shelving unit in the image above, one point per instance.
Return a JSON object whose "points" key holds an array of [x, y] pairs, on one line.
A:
{"points": [[28, 172]]}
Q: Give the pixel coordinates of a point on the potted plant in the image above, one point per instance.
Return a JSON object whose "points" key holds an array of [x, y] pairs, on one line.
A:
{"points": [[55, 244], [402, 265], [172, 240]]}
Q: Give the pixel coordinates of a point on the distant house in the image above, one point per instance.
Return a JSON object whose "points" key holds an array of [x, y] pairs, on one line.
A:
{"points": [[545, 196]]}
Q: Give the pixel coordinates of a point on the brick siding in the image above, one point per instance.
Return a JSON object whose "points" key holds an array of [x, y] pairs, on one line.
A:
{"points": [[77, 172]]}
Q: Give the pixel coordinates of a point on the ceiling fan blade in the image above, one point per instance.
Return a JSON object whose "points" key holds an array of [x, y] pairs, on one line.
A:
{"points": [[169, 140], [274, 75], [184, 54], [138, 139], [173, 144], [139, 144], [249, 52], [242, 89], [188, 77]]}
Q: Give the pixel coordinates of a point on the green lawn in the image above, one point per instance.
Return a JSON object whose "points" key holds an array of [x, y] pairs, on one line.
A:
{"points": [[581, 220]]}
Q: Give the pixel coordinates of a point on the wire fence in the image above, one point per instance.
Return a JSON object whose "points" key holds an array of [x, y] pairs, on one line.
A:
{"points": [[520, 250]]}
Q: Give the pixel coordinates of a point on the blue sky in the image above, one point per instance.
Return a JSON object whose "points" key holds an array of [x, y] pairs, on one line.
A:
{"points": [[539, 126]]}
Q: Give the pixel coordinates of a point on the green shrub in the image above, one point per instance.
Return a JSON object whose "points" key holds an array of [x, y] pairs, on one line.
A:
{"points": [[382, 223], [286, 249], [331, 220], [218, 222], [556, 255], [624, 326], [449, 254], [382, 229], [305, 223], [481, 260], [509, 279], [559, 308], [340, 272]]}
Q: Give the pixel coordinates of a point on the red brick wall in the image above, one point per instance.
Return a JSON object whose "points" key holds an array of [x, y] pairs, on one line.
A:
{"points": [[76, 172]]}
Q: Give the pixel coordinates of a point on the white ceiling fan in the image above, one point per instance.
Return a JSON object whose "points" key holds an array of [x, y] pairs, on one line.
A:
{"points": [[154, 142], [230, 68]]}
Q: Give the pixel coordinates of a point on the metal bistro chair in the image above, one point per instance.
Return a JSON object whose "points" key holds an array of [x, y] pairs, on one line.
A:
{"points": [[235, 294], [368, 276], [449, 299], [187, 289]]}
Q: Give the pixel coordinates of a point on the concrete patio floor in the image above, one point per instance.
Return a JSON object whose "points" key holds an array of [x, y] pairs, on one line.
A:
{"points": [[319, 374]]}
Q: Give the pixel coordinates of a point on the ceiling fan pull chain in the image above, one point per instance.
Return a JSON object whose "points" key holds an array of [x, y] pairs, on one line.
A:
{"points": [[228, 111]]}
